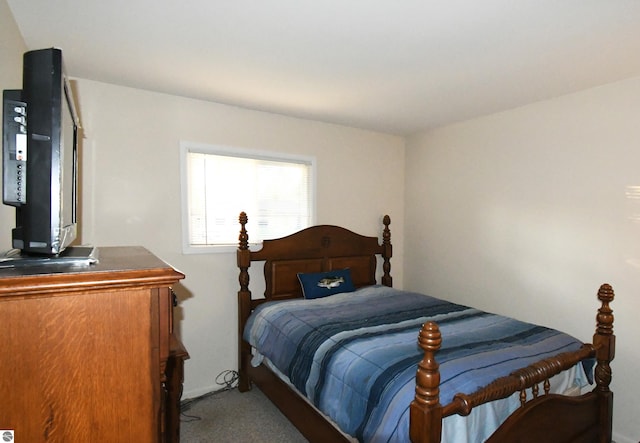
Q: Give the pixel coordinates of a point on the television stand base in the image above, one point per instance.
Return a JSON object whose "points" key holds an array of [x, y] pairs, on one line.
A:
{"points": [[71, 256]]}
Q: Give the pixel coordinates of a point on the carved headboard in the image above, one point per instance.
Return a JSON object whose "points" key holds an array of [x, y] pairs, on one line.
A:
{"points": [[315, 249]]}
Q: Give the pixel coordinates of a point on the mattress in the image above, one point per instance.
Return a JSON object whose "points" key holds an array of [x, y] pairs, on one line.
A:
{"points": [[354, 357]]}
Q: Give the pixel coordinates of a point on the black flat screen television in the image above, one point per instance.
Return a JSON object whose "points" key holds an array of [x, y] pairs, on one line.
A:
{"points": [[40, 156]]}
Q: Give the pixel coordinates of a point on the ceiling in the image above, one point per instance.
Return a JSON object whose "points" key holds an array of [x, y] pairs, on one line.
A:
{"points": [[396, 66]]}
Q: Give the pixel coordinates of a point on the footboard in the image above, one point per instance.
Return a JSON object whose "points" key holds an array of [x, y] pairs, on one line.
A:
{"points": [[547, 417]]}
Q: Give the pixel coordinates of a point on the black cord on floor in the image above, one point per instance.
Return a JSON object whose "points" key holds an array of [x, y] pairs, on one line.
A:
{"points": [[228, 379]]}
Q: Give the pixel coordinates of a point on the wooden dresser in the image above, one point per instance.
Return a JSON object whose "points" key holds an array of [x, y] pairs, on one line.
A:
{"points": [[87, 353]]}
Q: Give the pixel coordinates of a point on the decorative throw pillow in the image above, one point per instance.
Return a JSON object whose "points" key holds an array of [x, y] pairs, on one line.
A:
{"points": [[323, 284]]}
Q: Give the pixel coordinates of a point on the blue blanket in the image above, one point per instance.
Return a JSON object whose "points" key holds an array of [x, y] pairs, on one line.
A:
{"points": [[355, 355]]}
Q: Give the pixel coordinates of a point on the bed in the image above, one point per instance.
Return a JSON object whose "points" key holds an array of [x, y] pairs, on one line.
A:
{"points": [[534, 402]]}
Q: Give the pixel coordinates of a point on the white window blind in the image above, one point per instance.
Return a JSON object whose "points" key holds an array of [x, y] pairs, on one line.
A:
{"points": [[275, 191]]}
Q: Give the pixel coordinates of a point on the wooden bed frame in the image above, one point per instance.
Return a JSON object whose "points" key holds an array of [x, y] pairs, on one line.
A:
{"points": [[546, 417]]}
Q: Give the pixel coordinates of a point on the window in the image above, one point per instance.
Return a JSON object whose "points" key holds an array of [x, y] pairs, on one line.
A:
{"points": [[275, 190]]}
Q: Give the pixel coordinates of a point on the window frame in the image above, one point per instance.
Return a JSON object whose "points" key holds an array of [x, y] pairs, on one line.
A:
{"points": [[187, 147]]}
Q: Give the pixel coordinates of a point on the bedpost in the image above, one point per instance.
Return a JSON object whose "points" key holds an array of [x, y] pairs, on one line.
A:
{"points": [[387, 252], [244, 303], [605, 342], [426, 411]]}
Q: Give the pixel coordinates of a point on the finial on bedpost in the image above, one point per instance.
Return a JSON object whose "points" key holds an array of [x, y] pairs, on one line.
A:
{"points": [[604, 342], [244, 237], [244, 256], [604, 339], [426, 411], [387, 252], [605, 313]]}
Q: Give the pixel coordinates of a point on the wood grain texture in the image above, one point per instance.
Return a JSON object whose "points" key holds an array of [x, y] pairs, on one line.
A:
{"points": [[86, 364]]}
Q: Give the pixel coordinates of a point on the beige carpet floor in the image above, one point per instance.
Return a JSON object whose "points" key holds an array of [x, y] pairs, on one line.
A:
{"points": [[231, 416]]}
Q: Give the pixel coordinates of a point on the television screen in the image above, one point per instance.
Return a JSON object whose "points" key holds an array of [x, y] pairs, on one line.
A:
{"points": [[68, 171]]}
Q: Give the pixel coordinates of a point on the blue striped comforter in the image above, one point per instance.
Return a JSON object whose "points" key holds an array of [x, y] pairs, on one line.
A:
{"points": [[355, 355]]}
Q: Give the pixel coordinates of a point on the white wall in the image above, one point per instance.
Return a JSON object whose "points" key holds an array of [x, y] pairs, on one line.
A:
{"points": [[11, 49], [527, 212], [131, 195]]}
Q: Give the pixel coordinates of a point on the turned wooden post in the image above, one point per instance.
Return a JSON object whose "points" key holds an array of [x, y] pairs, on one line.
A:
{"points": [[605, 343], [387, 252], [244, 303], [425, 410]]}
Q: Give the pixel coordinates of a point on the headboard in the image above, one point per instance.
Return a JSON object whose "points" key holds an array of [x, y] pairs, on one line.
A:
{"points": [[315, 249]]}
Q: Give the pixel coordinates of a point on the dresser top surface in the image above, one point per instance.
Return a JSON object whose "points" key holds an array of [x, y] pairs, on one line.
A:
{"points": [[116, 266]]}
